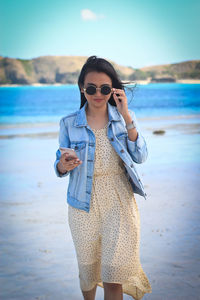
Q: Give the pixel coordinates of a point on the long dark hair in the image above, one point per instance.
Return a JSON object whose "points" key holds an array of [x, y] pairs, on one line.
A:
{"points": [[99, 65]]}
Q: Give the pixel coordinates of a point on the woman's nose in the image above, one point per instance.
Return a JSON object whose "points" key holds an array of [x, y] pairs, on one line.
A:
{"points": [[98, 92]]}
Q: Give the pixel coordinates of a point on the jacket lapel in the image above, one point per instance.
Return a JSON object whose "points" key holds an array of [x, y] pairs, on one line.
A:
{"points": [[81, 119]]}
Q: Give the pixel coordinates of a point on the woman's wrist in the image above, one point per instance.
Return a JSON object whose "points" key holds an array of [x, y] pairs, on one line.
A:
{"points": [[127, 118], [60, 168]]}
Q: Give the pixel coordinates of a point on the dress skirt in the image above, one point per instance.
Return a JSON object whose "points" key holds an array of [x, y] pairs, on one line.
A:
{"points": [[107, 239]]}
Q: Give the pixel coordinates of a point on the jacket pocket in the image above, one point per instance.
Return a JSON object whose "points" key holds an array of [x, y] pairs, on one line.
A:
{"points": [[77, 146], [122, 137]]}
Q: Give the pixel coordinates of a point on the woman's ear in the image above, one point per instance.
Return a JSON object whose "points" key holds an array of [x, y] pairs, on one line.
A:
{"points": [[82, 91]]}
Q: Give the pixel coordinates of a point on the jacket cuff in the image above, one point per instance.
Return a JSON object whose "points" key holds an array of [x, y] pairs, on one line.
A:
{"points": [[57, 172], [138, 143]]}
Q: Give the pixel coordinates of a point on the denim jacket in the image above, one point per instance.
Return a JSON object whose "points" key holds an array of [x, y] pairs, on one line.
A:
{"points": [[77, 134]]}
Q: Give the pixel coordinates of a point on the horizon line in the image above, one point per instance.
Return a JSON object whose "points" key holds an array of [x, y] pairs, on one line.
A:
{"points": [[50, 55]]}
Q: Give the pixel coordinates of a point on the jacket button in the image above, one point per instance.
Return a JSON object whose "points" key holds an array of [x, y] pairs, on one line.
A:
{"points": [[112, 139], [131, 165], [139, 180], [122, 151]]}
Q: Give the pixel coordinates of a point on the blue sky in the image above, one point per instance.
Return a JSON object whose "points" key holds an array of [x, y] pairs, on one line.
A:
{"points": [[131, 33]]}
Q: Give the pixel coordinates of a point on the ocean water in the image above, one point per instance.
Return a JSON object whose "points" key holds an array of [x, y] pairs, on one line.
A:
{"points": [[46, 104]]}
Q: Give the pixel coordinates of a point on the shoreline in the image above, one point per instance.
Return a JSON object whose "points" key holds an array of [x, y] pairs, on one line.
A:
{"points": [[140, 118], [182, 81], [142, 82], [170, 125], [54, 124]]}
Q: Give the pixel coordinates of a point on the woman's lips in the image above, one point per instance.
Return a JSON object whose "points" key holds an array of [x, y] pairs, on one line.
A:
{"points": [[98, 100]]}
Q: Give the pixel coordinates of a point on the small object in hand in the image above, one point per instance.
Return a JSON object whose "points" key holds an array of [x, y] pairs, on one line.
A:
{"points": [[68, 158], [70, 151]]}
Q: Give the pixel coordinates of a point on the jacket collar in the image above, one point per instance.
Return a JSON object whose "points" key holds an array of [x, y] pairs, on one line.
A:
{"points": [[81, 119]]}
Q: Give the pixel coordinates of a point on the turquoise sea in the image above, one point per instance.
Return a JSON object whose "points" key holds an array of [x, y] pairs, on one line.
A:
{"points": [[29, 104]]}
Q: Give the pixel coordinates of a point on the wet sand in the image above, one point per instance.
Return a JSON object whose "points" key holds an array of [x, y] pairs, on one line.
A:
{"points": [[38, 258]]}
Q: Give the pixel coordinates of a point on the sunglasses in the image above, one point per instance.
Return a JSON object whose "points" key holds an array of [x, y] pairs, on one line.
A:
{"points": [[91, 90]]}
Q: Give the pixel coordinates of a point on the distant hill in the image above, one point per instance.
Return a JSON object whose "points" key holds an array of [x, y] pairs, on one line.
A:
{"points": [[185, 70], [65, 70]]}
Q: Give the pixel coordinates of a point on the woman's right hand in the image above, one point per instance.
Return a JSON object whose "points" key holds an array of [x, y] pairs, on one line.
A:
{"points": [[65, 165]]}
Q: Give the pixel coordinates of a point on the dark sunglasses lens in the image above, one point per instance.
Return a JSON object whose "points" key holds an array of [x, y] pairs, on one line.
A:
{"points": [[90, 90], [105, 90]]}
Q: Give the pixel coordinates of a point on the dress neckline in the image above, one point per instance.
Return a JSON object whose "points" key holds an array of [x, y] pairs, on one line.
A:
{"points": [[100, 128]]}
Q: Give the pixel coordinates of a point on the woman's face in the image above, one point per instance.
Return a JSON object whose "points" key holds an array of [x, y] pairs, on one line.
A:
{"points": [[97, 79]]}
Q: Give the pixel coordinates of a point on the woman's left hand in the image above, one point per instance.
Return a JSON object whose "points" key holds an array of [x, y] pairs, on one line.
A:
{"points": [[123, 105]]}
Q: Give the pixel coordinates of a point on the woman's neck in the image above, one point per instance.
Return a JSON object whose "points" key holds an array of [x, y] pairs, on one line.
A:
{"points": [[97, 118], [99, 113]]}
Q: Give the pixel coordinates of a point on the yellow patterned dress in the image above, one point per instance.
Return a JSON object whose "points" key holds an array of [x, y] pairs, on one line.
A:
{"points": [[107, 239]]}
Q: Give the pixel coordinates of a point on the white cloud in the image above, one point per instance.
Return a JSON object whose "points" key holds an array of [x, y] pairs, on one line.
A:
{"points": [[88, 15]]}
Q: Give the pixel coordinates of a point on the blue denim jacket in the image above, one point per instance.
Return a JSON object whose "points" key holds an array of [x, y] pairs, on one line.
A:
{"points": [[77, 134]]}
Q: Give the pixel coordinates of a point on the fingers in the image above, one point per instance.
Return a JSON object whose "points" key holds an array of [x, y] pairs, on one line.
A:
{"points": [[118, 91], [70, 164], [118, 95], [73, 162], [116, 98], [67, 159], [73, 166]]}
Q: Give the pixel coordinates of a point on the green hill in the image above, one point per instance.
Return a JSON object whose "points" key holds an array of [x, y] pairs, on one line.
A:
{"points": [[65, 70], [184, 70]]}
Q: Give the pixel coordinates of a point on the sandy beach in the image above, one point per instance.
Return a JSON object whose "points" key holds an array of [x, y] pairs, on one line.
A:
{"points": [[38, 258]]}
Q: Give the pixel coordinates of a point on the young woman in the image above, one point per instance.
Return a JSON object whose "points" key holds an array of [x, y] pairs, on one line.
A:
{"points": [[103, 215]]}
